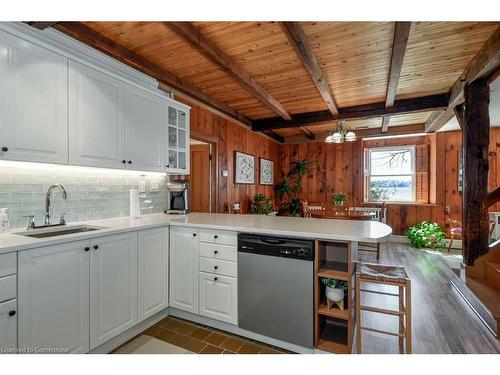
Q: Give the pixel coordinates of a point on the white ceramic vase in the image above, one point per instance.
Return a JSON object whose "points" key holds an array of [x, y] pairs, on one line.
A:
{"points": [[334, 294]]}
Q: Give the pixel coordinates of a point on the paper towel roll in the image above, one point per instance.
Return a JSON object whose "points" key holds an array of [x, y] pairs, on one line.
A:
{"points": [[135, 209]]}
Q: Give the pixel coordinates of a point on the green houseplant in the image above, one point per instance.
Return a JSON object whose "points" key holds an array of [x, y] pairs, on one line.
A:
{"points": [[261, 205], [335, 291], [426, 234], [339, 199], [290, 186]]}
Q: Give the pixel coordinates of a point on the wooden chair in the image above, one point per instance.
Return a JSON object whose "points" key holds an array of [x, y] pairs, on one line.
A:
{"points": [[316, 210], [385, 275], [378, 213]]}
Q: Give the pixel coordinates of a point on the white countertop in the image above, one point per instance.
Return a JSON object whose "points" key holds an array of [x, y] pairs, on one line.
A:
{"points": [[327, 229]]}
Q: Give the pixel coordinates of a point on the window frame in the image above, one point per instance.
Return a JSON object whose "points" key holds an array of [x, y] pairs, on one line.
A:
{"points": [[368, 175]]}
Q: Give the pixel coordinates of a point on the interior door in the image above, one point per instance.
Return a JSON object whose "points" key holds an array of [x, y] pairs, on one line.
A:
{"points": [[145, 123], [199, 178], [33, 102], [96, 123], [113, 286], [53, 297]]}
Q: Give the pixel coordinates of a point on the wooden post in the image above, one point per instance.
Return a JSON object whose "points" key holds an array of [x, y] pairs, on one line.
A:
{"points": [[476, 137]]}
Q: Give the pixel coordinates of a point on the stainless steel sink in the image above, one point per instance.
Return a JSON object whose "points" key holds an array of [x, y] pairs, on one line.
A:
{"points": [[59, 231]]}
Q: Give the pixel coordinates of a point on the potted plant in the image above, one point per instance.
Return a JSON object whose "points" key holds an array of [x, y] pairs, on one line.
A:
{"points": [[261, 205], [335, 291], [339, 199], [426, 234], [289, 188]]}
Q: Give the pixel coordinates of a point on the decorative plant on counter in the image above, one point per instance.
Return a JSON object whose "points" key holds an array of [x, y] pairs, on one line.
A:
{"points": [[335, 291], [290, 187], [426, 234], [339, 199], [261, 205]]}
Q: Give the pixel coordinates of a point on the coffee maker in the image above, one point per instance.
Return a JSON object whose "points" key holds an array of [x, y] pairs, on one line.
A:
{"points": [[177, 197]]}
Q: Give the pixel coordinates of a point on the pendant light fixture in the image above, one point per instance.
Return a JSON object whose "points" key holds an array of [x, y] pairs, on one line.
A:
{"points": [[341, 134]]}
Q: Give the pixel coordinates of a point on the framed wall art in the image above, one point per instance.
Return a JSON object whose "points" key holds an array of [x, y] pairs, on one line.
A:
{"points": [[244, 165], [266, 171]]}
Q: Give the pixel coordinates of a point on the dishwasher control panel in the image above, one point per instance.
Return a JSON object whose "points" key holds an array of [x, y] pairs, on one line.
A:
{"points": [[276, 246]]}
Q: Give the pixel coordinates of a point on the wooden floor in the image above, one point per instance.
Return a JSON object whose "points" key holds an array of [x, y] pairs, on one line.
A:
{"points": [[442, 320]]}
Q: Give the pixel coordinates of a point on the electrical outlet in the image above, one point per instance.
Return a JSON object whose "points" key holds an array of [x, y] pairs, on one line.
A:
{"points": [[225, 173], [155, 187]]}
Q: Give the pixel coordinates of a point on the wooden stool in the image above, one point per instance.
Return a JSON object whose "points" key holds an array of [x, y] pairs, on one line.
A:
{"points": [[385, 275]]}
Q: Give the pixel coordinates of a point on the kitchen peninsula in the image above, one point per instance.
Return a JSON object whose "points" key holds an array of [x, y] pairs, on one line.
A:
{"points": [[129, 273]]}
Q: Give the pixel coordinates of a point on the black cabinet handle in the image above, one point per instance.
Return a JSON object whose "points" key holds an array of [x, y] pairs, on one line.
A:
{"points": [[216, 236], [168, 165], [96, 247], [86, 248], [216, 278], [216, 267], [12, 313], [5, 149], [194, 234], [216, 252], [124, 161], [130, 162]]}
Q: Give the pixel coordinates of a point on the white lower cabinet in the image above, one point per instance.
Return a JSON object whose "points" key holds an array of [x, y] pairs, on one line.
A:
{"points": [[184, 268], [153, 271], [8, 326], [53, 297], [113, 286], [218, 297]]}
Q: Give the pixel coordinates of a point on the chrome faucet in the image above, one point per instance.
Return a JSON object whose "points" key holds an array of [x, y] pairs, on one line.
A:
{"points": [[47, 202]]}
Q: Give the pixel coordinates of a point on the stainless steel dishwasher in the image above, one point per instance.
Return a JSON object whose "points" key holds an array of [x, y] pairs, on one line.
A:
{"points": [[275, 287]]}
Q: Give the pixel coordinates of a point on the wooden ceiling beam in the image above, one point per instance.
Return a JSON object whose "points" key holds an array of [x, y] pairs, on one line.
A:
{"points": [[400, 40], [309, 134], [41, 25], [272, 134], [96, 40], [365, 133], [485, 65], [188, 32], [402, 106], [298, 40]]}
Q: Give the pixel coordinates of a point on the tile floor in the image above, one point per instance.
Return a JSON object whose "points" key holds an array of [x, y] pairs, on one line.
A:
{"points": [[176, 336]]}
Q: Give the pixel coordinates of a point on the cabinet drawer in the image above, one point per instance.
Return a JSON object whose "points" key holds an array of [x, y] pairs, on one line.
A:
{"points": [[8, 325], [218, 267], [216, 251], [8, 288], [8, 264], [223, 237]]}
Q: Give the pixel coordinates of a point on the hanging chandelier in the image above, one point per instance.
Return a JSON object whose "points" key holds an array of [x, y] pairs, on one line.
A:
{"points": [[341, 134]]}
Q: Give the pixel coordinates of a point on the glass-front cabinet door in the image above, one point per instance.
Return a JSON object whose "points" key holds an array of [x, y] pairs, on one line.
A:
{"points": [[177, 139]]}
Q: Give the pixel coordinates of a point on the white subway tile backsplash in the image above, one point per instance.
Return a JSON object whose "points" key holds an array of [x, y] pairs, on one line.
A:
{"points": [[91, 195]]}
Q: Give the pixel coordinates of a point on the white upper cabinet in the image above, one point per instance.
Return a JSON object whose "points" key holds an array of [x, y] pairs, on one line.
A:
{"points": [[145, 123], [54, 109], [33, 102], [96, 118], [53, 297], [153, 271], [177, 137], [184, 268], [113, 286]]}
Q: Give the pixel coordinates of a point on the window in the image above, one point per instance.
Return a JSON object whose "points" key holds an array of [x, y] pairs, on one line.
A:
{"points": [[390, 174]]}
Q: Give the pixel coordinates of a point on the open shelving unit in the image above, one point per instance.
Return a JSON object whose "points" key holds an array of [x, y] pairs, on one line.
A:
{"points": [[334, 328]]}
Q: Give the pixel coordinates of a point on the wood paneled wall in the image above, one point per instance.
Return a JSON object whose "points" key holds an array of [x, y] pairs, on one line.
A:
{"points": [[229, 138], [340, 168]]}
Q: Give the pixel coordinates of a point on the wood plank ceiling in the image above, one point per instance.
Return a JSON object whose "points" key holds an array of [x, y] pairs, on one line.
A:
{"points": [[259, 73]]}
